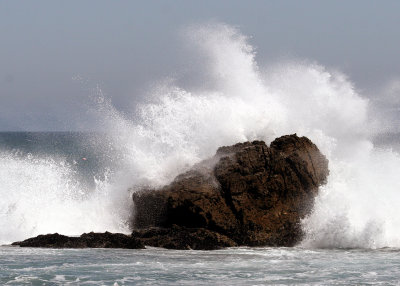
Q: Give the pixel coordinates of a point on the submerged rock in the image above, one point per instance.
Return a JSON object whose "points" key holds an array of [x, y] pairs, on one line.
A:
{"points": [[253, 195], [174, 237], [92, 240]]}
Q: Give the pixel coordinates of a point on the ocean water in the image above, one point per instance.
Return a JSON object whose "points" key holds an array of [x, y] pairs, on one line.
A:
{"points": [[77, 182], [235, 266]]}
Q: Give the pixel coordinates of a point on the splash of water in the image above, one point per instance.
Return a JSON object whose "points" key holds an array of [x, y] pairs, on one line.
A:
{"points": [[42, 195], [178, 127]]}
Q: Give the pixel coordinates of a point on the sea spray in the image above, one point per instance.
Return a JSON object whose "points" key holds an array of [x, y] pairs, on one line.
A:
{"points": [[42, 195], [242, 101], [177, 127]]}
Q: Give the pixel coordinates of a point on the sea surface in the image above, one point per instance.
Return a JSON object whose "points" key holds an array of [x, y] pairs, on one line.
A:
{"points": [[234, 266]]}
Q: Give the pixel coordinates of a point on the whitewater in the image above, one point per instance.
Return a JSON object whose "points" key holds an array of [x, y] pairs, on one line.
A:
{"points": [[234, 99]]}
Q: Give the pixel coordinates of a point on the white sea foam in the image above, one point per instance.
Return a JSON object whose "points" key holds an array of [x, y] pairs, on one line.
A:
{"points": [[177, 127], [42, 195]]}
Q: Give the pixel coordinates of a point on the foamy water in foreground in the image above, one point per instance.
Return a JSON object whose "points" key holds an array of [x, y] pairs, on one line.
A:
{"points": [[236, 266]]}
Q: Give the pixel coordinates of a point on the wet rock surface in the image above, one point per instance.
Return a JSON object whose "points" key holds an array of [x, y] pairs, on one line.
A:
{"points": [[254, 194], [174, 237], [177, 237], [247, 194]]}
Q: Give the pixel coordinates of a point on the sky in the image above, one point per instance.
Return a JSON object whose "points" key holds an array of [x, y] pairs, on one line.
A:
{"points": [[53, 53]]}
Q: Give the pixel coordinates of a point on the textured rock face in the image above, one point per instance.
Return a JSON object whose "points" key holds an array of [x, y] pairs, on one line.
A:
{"points": [[253, 195]]}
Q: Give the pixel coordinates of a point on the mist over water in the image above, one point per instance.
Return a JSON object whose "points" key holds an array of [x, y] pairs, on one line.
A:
{"points": [[177, 126]]}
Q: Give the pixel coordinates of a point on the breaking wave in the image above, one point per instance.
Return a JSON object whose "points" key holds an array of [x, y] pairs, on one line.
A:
{"points": [[233, 99]]}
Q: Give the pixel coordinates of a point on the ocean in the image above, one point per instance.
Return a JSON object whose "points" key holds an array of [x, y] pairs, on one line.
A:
{"points": [[76, 182], [236, 266]]}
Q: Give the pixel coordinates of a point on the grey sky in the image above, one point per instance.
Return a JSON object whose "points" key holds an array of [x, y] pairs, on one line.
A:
{"points": [[125, 45]]}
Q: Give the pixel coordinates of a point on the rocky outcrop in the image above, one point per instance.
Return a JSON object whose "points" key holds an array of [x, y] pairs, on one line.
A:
{"points": [[92, 240], [174, 237], [249, 193]]}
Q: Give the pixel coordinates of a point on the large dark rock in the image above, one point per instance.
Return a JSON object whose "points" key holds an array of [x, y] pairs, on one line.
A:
{"points": [[92, 240], [249, 193]]}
